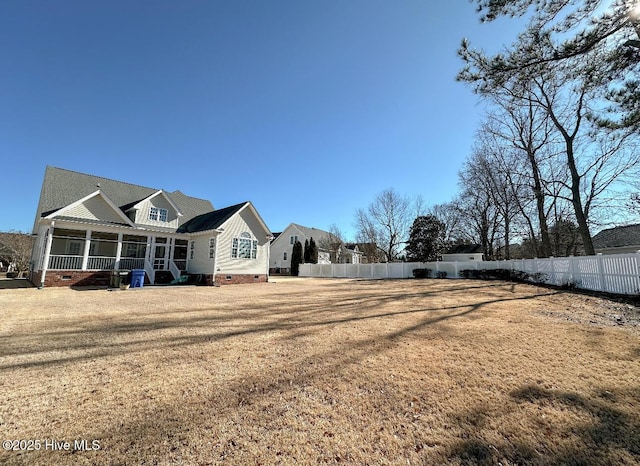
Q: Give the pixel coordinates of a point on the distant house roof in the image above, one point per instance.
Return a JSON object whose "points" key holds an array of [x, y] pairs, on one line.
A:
{"points": [[311, 232], [628, 235], [62, 187], [464, 249]]}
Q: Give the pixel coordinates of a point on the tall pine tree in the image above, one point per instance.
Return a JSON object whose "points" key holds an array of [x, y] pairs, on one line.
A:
{"points": [[296, 258], [313, 251], [307, 257]]}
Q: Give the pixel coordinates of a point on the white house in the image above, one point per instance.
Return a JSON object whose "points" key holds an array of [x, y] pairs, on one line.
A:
{"points": [[88, 226], [330, 248], [619, 240], [463, 253]]}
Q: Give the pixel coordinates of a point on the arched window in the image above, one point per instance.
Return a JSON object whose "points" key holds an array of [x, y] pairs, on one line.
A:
{"points": [[244, 247]]}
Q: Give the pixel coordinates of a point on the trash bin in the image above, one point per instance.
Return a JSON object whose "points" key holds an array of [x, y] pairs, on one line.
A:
{"points": [[114, 279], [137, 278], [125, 278]]}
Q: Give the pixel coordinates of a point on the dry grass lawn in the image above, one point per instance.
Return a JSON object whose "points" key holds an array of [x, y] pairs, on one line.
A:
{"points": [[308, 371]]}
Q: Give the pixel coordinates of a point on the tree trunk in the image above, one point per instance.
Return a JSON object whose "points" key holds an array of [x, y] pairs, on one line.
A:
{"points": [[581, 218]]}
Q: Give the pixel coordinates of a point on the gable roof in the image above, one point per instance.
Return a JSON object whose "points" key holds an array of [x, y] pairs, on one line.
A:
{"points": [[157, 193], [310, 232], [210, 220], [217, 218], [119, 216], [62, 187], [627, 235]]}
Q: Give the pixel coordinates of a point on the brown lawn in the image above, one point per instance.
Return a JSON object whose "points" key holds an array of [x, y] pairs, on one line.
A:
{"points": [[308, 371]]}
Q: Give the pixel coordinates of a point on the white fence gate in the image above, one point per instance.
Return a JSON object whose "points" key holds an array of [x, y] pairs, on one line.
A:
{"points": [[619, 273]]}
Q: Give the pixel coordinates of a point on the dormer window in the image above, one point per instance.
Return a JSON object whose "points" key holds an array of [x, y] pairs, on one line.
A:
{"points": [[158, 214]]}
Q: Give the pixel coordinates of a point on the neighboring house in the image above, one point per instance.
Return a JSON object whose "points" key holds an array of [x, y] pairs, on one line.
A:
{"points": [[88, 226], [282, 246], [370, 253], [618, 240], [352, 254], [463, 253]]}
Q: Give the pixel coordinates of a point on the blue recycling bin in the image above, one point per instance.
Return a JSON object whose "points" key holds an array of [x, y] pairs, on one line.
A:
{"points": [[137, 278]]}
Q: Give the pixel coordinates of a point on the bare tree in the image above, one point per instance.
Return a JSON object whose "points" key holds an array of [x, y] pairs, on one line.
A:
{"points": [[385, 222], [332, 243], [590, 160], [15, 248], [526, 128], [480, 219], [449, 214]]}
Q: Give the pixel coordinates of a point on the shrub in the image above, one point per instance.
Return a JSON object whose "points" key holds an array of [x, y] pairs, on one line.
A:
{"points": [[421, 273], [441, 274]]}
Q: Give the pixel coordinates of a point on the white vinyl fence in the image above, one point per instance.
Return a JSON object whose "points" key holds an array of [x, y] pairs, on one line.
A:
{"points": [[618, 273]]}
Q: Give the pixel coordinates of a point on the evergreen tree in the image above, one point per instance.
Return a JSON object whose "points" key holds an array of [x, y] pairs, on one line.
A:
{"points": [[426, 239], [313, 251], [307, 257], [296, 258]]}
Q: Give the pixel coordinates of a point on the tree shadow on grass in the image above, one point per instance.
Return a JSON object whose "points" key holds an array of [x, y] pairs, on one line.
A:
{"points": [[163, 422], [104, 339], [610, 436]]}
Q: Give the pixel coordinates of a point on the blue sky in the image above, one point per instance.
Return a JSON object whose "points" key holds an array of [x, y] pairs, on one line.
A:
{"points": [[306, 108]]}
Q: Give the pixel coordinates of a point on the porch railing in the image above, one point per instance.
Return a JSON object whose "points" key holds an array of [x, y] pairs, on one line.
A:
{"points": [[68, 262], [130, 263], [101, 263], [65, 262], [175, 271], [151, 273]]}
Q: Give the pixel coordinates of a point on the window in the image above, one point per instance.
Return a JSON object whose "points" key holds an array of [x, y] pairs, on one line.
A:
{"points": [[158, 214], [212, 248], [284, 256], [74, 247], [293, 239], [192, 248], [244, 247]]}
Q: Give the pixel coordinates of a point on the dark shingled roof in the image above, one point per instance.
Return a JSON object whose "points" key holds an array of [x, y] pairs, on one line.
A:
{"points": [[628, 235], [465, 249], [210, 220], [62, 187]]}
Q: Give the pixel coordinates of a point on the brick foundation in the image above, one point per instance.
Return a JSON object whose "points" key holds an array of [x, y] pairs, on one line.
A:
{"points": [[237, 279], [75, 278], [103, 278]]}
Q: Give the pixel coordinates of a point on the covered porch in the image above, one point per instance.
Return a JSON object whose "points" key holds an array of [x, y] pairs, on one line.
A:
{"points": [[162, 256]]}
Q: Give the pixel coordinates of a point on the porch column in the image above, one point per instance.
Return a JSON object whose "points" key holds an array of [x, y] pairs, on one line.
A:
{"points": [[47, 253], [172, 243], [215, 259], [87, 246], [118, 251], [149, 253]]}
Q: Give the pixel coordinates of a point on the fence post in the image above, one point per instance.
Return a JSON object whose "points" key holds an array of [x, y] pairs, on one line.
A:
{"points": [[601, 276], [572, 270]]}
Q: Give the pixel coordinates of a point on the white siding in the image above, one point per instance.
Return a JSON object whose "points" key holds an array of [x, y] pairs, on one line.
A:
{"points": [[462, 257], [200, 262], [95, 208], [160, 202], [243, 221], [281, 245]]}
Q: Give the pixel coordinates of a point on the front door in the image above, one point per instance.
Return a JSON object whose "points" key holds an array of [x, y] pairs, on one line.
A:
{"points": [[160, 254]]}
